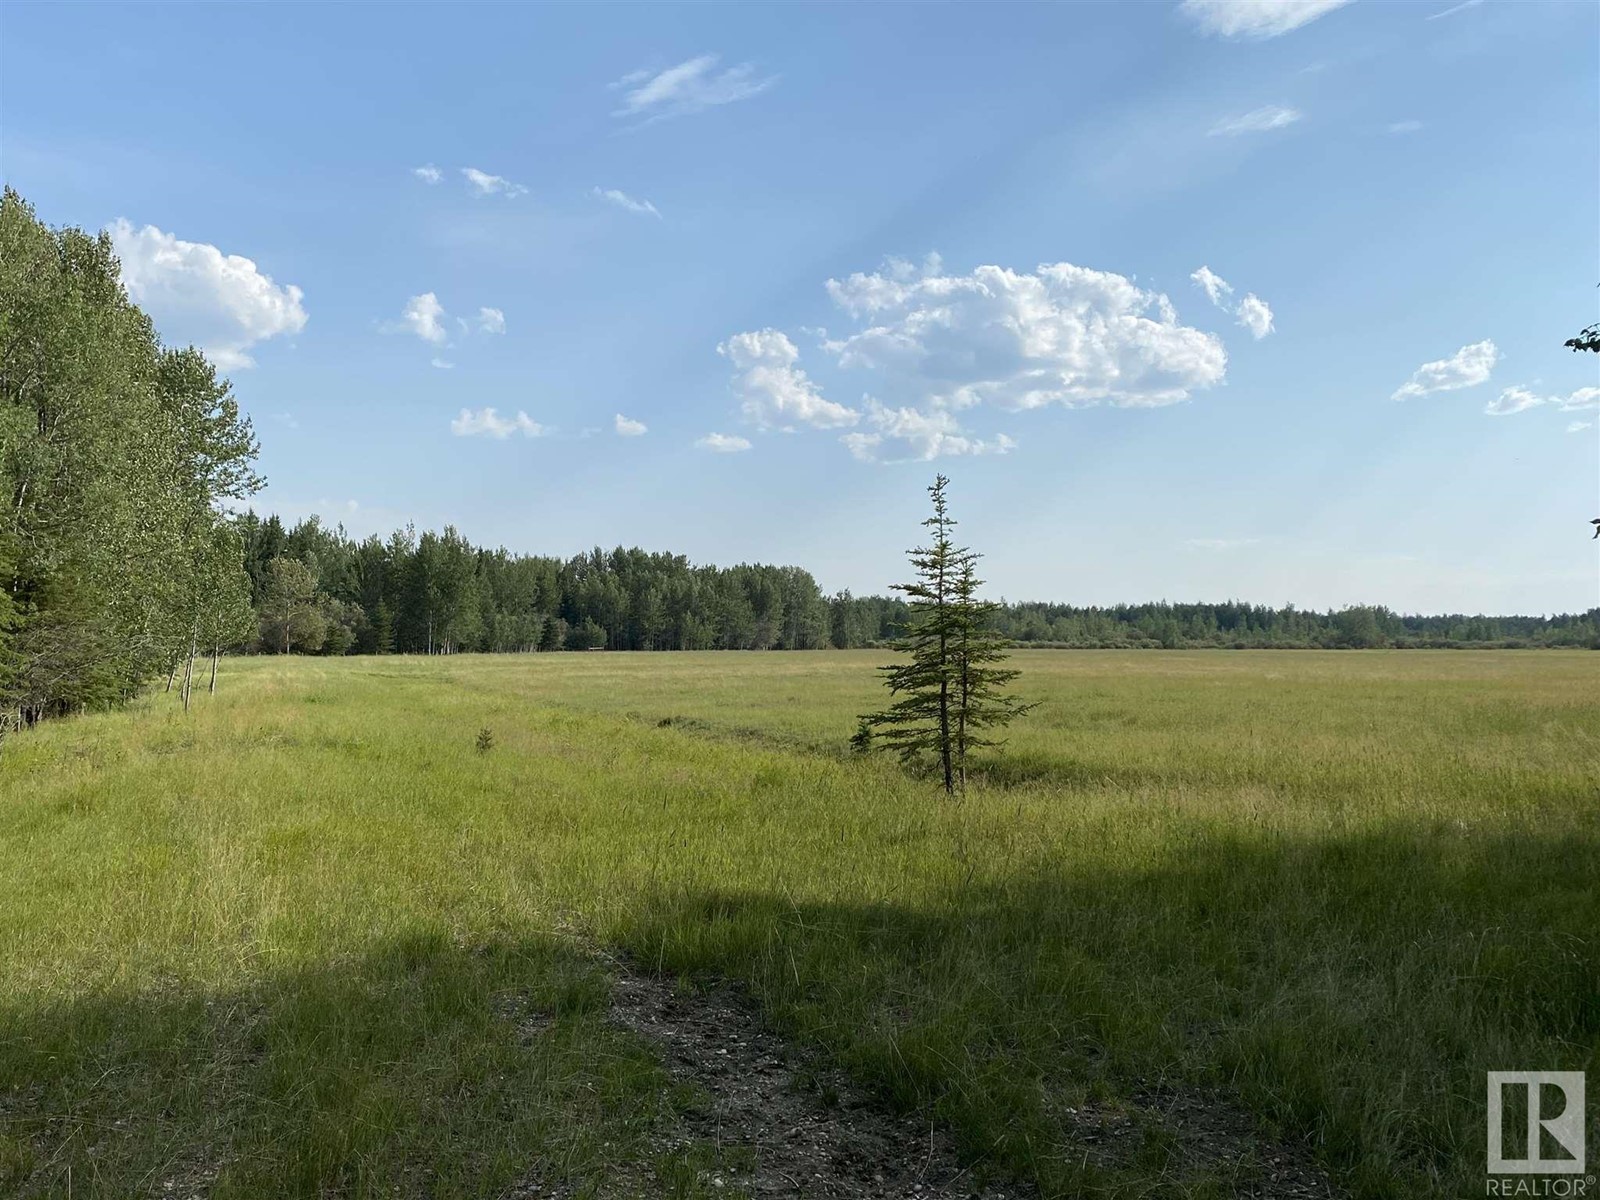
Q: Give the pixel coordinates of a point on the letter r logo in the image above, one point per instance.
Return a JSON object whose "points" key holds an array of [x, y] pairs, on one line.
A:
{"points": [[1566, 1126]]}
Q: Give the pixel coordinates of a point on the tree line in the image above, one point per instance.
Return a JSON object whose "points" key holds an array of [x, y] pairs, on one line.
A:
{"points": [[317, 590]]}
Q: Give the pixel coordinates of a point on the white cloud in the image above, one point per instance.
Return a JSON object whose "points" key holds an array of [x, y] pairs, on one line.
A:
{"points": [[1253, 312], [1453, 9], [491, 320], [774, 393], [1405, 127], [220, 302], [1256, 19], [486, 422], [912, 434], [1467, 367], [1216, 288], [1520, 398], [1259, 120], [423, 316], [1063, 334], [690, 87], [484, 184], [723, 443], [623, 200], [428, 173], [1579, 426], [1254, 315], [628, 427], [442, 364]]}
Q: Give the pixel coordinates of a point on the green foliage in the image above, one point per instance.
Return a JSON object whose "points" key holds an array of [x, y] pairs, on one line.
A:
{"points": [[115, 455], [950, 693]]}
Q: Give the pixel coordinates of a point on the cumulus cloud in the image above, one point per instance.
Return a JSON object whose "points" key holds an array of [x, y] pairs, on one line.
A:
{"points": [[1255, 19], [1258, 120], [1255, 315], [487, 422], [774, 393], [491, 320], [422, 316], [624, 201], [1062, 334], [428, 173], [907, 433], [1252, 312], [690, 87], [481, 183], [1467, 367], [723, 443], [222, 303], [1520, 398], [628, 427]]}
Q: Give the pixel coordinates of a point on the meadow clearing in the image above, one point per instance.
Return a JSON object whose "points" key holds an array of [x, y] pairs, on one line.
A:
{"points": [[294, 943]]}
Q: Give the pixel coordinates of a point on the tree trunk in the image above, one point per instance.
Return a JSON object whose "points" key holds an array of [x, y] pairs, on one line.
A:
{"points": [[173, 674], [286, 611], [216, 652], [188, 667]]}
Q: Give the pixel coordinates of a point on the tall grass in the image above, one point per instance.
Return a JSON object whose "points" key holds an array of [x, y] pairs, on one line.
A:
{"points": [[313, 933]]}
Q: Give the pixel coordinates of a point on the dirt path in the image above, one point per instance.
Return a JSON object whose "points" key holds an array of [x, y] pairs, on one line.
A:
{"points": [[776, 1122]]}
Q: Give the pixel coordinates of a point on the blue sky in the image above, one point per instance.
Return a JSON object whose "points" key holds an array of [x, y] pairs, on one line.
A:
{"points": [[596, 212]]}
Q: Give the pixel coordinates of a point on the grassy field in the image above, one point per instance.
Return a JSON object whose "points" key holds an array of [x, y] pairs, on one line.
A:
{"points": [[284, 945]]}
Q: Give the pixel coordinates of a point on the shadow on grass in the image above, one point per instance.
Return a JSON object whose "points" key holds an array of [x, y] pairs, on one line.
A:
{"points": [[422, 1068], [1349, 993]]}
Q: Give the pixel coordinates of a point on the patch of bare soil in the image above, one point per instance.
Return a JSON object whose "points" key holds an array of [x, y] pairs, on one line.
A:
{"points": [[780, 1123], [782, 1126]]}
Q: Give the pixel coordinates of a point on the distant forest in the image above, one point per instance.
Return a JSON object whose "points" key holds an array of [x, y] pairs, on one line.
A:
{"points": [[318, 591]]}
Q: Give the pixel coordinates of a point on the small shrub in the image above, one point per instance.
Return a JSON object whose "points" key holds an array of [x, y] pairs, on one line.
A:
{"points": [[485, 740]]}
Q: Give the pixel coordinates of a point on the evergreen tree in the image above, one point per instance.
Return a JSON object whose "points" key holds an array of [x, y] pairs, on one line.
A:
{"points": [[949, 693]]}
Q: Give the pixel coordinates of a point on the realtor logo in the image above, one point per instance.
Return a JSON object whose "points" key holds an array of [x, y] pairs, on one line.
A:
{"points": [[1558, 1135]]}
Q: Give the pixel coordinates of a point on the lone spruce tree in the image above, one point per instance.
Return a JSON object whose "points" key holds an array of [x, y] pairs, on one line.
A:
{"points": [[950, 695]]}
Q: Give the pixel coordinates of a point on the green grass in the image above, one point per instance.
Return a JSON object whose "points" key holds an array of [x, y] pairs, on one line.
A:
{"points": [[308, 940]]}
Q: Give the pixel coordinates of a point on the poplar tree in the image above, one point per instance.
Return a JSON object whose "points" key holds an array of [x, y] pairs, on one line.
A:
{"points": [[950, 692]]}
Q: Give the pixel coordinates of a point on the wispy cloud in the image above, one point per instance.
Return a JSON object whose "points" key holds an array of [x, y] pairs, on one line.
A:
{"points": [[1260, 120], [1252, 312], [1405, 126], [1454, 9], [689, 87], [1257, 20], [1467, 367], [628, 427], [428, 173], [624, 201], [441, 364], [487, 422], [491, 320], [1579, 426], [723, 443], [1521, 398], [482, 183]]}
